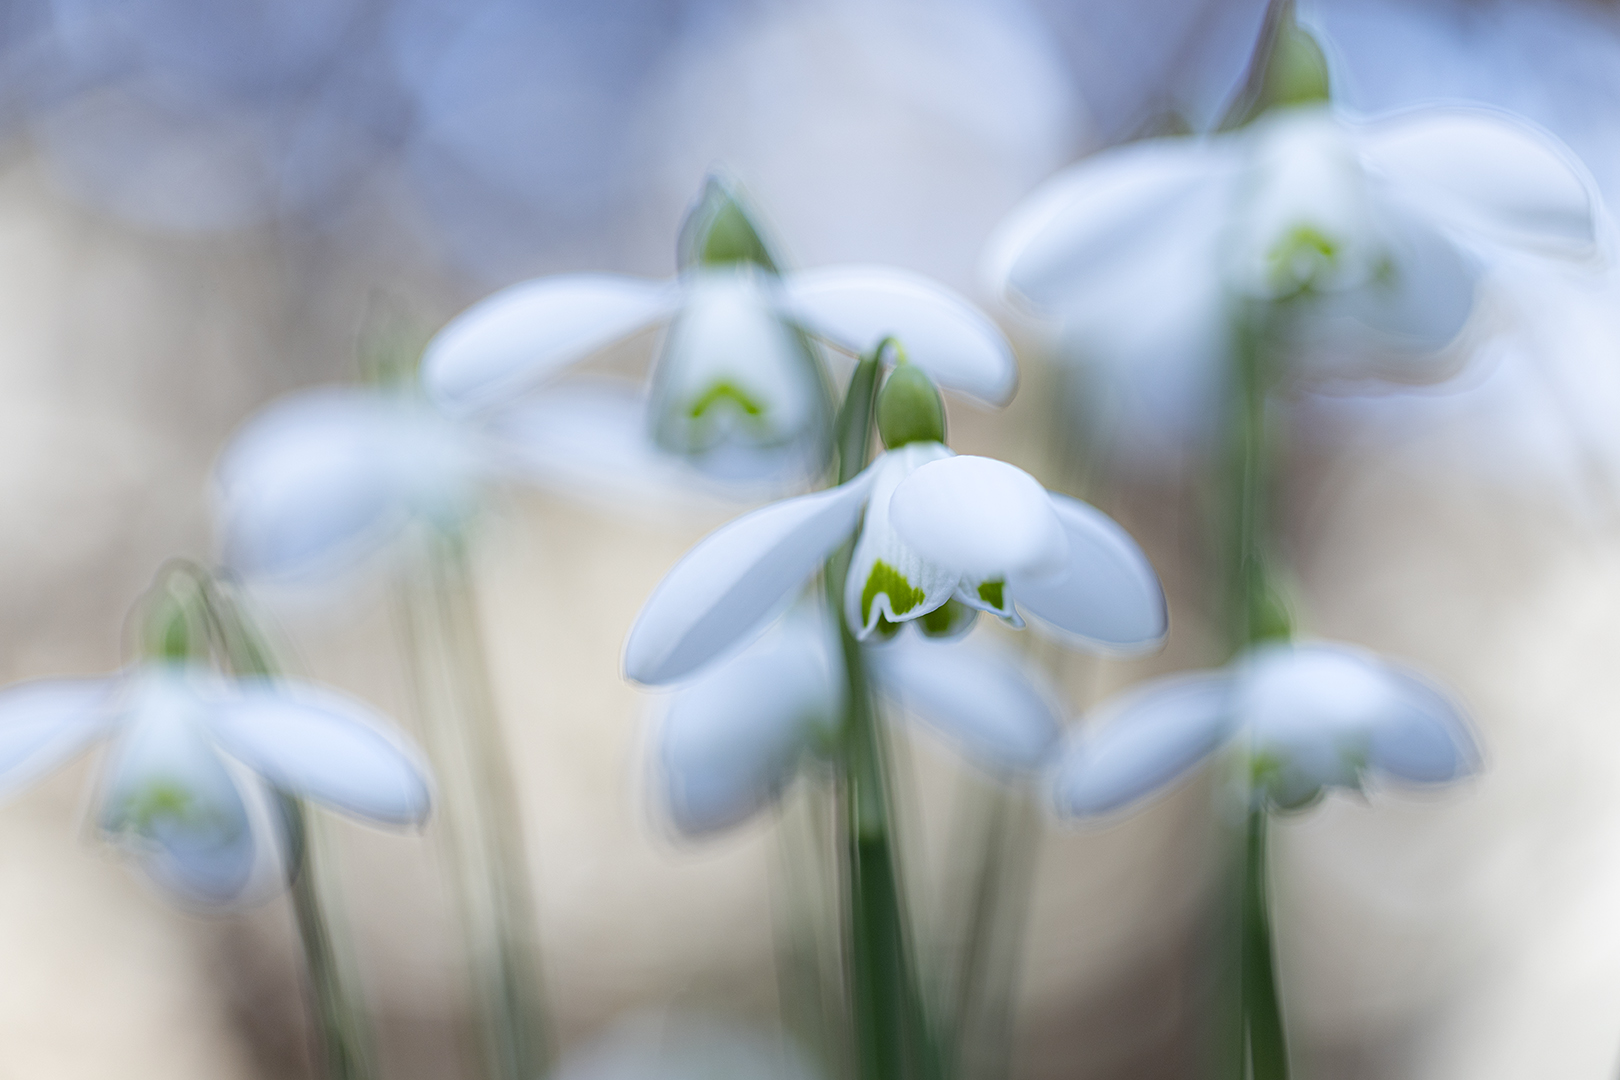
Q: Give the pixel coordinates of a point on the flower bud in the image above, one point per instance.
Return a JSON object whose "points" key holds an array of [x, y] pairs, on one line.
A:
{"points": [[909, 408], [171, 621], [718, 231]]}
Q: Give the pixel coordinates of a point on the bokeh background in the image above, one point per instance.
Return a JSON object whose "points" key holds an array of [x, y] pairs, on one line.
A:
{"points": [[199, 201]]}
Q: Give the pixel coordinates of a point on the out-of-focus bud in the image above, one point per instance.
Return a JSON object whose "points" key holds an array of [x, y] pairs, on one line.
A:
{"points": [[909, 408], [719, 231]]}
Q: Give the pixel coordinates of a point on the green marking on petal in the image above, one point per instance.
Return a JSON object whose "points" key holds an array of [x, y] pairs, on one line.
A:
{"points": [[947, 619], [993, 593], [886, 629], [730, 392], [889, 581], [1300, 259], [159, 800]]}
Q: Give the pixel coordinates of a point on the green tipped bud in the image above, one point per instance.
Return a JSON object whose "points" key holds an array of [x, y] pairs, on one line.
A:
{"points": [[909, 408], [171, 626], [1297, 73], [718, 231], [1271, 618]]}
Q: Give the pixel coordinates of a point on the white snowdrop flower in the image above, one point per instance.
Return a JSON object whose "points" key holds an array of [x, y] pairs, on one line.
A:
{"points": [[938, 528], [1374, 235], [730, 739], [197, 759], [1313, 715], [738, 390]]}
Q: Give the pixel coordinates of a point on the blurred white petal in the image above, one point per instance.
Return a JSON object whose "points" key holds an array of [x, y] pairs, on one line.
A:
{"points": [[730, 584], [728, 739], [45, 723], [1314, 706], [888, 579], [1110, 598], [941, 332], [982, 518], [982, 695], [315, 744], [1488, 172], [320, 481], [517, 338], [1428, 740], [1143, 740]]}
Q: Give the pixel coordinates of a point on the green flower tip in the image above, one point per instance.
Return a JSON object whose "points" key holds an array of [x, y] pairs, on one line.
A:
{"points": [[171, 617], [1297, 73], [718, 231], [909, 408]]}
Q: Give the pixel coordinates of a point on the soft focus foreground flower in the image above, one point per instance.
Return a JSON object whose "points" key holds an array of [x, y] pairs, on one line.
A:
{"points": [[1375, 235], [197, 759], [938, 527], [1314, 716], [738, 390], [729, 740]]}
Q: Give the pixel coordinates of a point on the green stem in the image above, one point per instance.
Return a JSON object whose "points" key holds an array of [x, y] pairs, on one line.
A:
{"points": [[1257, 615], [336, 1002], [891, 1036], [480, 813]]}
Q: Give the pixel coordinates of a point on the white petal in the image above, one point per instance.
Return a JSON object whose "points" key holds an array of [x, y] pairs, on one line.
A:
{"points": [[315, 744], [205, 870], [1091, 226], [981, 518], [321, 481], [888, 579], [941, 332], [45, 723], [169, 797], [1489, 172], [984, 696], [733, 371], [592, 440], [1428, 740], [517, 338], [729, 739], [1143, 740], [1110, 598], [735, 579]]}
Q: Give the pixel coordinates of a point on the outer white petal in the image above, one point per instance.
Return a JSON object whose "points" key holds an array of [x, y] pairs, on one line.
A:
{"points": [[320, 481], [1110, 598], [729, 739], [729, 585], [1427, 740], [313, 743], [887, 578], [46, 722], [517, 338], [984, 696], [981, 518], [1489, 172], [170, 798], [1093, 224], [1143, 740], [941, 332]]}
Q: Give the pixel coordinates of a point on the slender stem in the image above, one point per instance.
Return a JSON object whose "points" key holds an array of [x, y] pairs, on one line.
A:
{"points": [[891, 1036], [481, 813], [335, 999], [1256, 616]]}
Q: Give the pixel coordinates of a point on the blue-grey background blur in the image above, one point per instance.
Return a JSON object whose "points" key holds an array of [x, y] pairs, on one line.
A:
{"points": [[198, 200]]}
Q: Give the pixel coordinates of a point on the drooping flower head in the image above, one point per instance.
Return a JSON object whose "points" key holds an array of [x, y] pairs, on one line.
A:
{"points": [[938, 536], [198, 761], [1310, 716]]}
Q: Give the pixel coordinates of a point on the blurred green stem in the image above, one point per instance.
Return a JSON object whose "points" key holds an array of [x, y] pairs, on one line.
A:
{"points": [[1257, 615], [335, 998], [891, 1036], [480, 813]]}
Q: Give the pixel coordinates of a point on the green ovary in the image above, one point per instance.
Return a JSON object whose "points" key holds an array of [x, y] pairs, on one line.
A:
{"points": [[889, 581]]}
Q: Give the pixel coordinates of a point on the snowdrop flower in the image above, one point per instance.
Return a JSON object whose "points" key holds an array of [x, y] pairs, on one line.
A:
{"points": [[196, 761], [1315, 716], [730, 740], [1371, 237], [944, 536], [738, 390]]}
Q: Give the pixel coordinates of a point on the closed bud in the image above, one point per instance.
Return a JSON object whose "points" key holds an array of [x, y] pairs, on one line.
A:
{"points": [[909, 408], [718, 231]]}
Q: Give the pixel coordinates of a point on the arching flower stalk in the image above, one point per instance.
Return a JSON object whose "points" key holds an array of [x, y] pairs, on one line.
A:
{"points": [[925, 537], [209, 772]]}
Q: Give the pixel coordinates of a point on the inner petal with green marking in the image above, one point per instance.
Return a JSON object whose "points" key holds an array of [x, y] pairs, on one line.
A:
{"points": [[886, 580]]}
